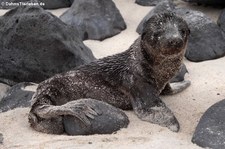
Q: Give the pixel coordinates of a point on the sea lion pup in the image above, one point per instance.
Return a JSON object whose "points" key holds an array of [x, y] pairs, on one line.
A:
{"points": [[132, 79]]}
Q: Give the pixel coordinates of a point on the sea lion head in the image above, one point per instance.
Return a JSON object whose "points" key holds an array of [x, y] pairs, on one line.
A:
{"points": [[165, 35]]}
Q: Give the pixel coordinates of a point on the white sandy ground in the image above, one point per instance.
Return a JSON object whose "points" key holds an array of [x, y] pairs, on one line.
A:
{"points": [[208, 87]]}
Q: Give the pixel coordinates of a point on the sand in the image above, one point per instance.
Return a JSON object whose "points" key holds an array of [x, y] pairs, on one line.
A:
{"points": [[207, 88]]}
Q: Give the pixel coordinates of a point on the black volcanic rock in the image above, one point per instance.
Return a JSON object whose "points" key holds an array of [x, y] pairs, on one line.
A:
{"points": [[94, 19], [206, 41], [17, 96], [149, 2], [208, 2], [109, 120], [35, 45], [1, 138], [161, 7], [48, 4], [3, 90], [221, 20], [210, 131]]}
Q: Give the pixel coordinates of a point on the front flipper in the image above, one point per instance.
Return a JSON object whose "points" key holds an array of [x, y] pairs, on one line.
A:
{"points": [[176, 87], [149, 107], [156, 113]]}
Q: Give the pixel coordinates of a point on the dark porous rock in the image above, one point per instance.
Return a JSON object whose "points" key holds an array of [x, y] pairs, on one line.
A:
{"points": [[47, 4], [208, 2], [71, 1], [162, 7], [3, 90], [35, 45], [210, 131], [149, 2], [180, 75], [18, 96], [1, 138], [221, 20], [94, 19], [206, 41], [108, 121]]}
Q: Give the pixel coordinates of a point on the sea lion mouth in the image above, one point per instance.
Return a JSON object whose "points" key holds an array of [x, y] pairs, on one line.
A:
{"points": [[172, 49], [172, 42]]}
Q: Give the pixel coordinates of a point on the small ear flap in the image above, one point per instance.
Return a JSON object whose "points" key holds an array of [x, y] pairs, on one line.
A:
{"points": [[144, 30], [143, 35], [189, 31]]}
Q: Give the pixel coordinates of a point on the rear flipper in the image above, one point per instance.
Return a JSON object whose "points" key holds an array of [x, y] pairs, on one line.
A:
{"points": [[110, 120], [176, 87], [49, 118], [79, 117]]}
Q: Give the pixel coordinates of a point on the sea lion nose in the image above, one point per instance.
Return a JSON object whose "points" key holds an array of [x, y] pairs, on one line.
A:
{"points": [[175, 42]]}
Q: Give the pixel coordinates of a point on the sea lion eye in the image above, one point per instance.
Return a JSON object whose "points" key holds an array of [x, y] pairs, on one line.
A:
{"points": [[156, 35], [188, 31], [183, 32]]}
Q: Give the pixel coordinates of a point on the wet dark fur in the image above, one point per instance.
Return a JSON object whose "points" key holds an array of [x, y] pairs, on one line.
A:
{"points": [[131, 79]]}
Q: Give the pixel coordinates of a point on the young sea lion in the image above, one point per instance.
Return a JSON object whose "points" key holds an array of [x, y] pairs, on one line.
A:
{"points": [[132, 79]]}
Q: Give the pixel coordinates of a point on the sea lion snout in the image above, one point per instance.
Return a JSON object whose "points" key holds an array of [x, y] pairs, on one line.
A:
{"points": [[173, 41], [174, 44]]}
